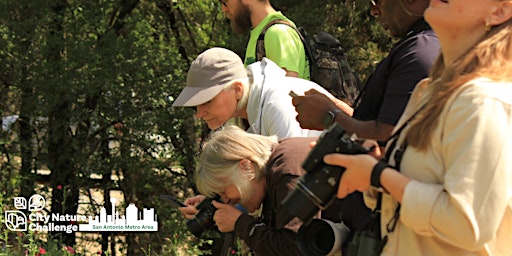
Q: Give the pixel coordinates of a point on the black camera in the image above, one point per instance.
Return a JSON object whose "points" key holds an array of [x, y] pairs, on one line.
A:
{"points": [[321, 237], [203, 219], [316, 189]]}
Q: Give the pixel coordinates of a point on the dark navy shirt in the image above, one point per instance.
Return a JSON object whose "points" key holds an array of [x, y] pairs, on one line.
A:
{"points": [[388, 89], [385, 96]]}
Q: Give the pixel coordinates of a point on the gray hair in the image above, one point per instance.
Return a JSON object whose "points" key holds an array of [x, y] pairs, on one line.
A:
{"points": [[245, 81], [220, 157]]}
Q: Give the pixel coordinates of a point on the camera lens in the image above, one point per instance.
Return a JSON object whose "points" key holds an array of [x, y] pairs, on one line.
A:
{"points": [[321, 237], [300, 205]]}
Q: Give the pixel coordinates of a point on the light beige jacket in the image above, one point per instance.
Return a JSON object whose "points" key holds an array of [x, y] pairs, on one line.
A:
{"points": [[459, 201]]}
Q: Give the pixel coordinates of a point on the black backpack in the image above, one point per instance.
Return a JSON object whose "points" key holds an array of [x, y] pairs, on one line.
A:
{"points": [[328, 65]]}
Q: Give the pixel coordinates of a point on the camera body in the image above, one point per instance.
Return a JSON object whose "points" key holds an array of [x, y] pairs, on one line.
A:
{"points": [[316, 189], [203, 219]]}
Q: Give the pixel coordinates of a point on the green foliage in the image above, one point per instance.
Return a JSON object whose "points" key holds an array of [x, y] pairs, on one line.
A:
{"points": [[90, 81], [364, 40]]}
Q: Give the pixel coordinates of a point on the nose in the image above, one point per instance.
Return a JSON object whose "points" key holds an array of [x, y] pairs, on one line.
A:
{"points": [[224, 8], [224, 198], [374, 10], [200, 111]]}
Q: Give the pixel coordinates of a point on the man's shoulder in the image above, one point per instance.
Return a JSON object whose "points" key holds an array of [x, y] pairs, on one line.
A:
{"points": [[276, 16], [423, 45], [423, 40], [271, 18], [277, 25]]}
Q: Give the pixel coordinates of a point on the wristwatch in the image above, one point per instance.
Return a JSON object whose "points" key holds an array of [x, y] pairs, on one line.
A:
{"points": [[330, 117]]}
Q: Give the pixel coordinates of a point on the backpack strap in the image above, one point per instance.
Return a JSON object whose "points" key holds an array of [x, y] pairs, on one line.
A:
{"points": [[304, 38], [260, 44]]}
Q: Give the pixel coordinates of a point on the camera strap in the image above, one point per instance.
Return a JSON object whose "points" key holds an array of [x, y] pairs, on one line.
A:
{"points": [[397, 157], [229, 246], [369, 241]]}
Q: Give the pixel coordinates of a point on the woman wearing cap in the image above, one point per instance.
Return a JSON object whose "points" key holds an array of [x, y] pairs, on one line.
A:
{"points": [[220, 88], [448, 184]]}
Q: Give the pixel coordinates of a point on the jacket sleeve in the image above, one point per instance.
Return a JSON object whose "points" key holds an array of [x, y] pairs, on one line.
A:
{"points": [[467, 209], [265, 240]]}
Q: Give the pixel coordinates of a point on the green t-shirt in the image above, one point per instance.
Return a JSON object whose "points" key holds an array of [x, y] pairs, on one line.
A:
{"points": [[282, 45]]}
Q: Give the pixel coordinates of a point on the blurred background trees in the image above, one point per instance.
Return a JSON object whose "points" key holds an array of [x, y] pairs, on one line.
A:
{"points": [[84, 99]]}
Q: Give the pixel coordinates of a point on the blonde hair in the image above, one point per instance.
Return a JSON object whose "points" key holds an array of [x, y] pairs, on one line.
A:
{"points": [[220, 157], [490, 58]]}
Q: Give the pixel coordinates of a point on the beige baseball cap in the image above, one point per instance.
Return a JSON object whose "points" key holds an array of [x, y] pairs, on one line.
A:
{"points": [[208, 74]]}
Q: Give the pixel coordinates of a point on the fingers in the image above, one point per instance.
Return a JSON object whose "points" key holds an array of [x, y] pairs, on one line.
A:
{"points": [[297, 100], [194, 200], [188, 212], [311, 91], [357, 172], [225, 217], [374, 149], [344, 189], [337, 159], [217, 204], [369, 143]]}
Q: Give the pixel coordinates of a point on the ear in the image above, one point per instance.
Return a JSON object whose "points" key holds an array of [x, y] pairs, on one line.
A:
{"points": [[247, 168], [238, 88], [500, 13]]}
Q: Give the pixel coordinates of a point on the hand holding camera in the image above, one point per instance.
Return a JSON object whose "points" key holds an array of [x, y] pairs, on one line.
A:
{"points": [[225, 217], [188, 208], [316, 189], [203, 219], [356, 175]]}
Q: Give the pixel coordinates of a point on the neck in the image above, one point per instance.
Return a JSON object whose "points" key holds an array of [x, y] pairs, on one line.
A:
{"points": [[241, 113], [259, 11], [454, 46]]}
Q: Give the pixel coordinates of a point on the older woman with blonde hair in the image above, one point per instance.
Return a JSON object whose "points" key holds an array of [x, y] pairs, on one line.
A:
{"points": [[446, 177], [256, 172]]}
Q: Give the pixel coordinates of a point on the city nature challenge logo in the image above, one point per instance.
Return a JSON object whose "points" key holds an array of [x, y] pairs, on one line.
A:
{"points": [[38, 220]]}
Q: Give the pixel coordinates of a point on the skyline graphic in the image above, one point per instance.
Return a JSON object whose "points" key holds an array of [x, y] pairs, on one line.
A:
{"points": [[133, 220]]}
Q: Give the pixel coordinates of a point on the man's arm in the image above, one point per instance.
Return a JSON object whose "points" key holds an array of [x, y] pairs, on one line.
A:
{"points": [[372, 129], [291, 73], [313, 107]]}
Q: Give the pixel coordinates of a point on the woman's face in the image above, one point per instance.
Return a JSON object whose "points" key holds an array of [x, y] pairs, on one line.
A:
{"points": [[231, 195], [458, 18], [218, 110]]}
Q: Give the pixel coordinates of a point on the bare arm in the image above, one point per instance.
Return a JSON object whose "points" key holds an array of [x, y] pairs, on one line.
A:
{"points": [[291, 73], [313, 107], [358, 172], [372, 129]]}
